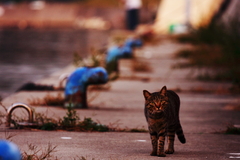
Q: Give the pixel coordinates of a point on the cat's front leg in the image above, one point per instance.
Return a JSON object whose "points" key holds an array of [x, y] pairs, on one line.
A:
{"points": [[154, 140], [160, 151]]}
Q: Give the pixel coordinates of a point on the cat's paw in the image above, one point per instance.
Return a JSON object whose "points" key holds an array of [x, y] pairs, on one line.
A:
{"points": [[169, 151], [161, 155], [153, 153]]}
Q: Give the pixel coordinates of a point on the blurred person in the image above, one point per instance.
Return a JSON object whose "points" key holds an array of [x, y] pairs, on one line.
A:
{"points": [[132, 13]]}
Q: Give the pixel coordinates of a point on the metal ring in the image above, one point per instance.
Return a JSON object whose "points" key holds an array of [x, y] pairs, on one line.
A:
{"points": [[18, 105]]}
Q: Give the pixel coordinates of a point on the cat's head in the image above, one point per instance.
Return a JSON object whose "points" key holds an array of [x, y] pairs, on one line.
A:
{"points": [[157, 101]]}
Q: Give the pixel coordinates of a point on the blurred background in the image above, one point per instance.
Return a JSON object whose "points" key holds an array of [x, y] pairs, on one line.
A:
{"points": [[39, 37]]}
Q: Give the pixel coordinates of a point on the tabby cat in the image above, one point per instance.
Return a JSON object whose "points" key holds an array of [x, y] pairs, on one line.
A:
{"points": [[162, 115]]}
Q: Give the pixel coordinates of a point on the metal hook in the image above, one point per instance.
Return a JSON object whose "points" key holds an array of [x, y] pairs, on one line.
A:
{"points": [[62, 78], [18, 105]]}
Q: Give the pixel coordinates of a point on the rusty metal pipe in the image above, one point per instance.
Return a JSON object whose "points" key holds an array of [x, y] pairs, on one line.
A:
{"points": [[18, 105]]}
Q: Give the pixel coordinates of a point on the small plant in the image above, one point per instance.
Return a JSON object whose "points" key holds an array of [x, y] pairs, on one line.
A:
{"points": [[48, 100], [34, 153], [114, 127], [44, 122], [70, 120], [96, 58], [89, 125], [138, 130], [9, 135], [77, 59]]}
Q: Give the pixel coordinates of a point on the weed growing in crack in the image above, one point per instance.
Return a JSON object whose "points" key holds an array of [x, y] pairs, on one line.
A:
{"points": [[70, 122], [48, 100], [34, 153]]}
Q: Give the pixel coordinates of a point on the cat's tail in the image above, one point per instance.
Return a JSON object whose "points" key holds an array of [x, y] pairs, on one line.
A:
{"points": [[180, 134]]}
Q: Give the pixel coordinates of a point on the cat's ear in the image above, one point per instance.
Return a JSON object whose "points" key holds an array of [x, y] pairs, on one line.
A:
{"points": [[146, 94], [163, 91]]}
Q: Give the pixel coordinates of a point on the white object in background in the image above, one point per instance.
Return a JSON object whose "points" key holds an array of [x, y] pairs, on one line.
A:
{"points": [[37, 5]]}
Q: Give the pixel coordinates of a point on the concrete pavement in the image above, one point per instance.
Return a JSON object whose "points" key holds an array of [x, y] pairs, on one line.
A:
{"points": [[202, 114]]}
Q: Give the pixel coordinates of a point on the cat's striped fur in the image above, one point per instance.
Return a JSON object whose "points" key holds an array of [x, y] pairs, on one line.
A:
{"points": [[162, 115]]}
